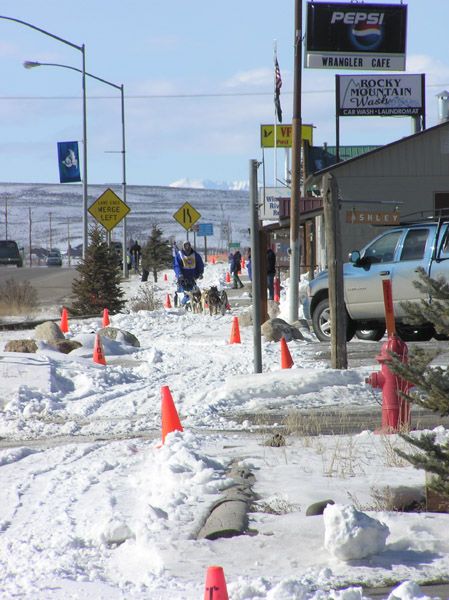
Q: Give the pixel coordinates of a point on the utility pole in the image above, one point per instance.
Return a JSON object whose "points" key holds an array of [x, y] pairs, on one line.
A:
{"points": [[295, 249], [51, 244], [68, 242], [255, 254], [29, 236]]}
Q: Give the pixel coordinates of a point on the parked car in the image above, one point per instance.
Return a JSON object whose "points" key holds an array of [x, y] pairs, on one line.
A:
{"points": [[54, 259], [395, 254], [9, 253]]}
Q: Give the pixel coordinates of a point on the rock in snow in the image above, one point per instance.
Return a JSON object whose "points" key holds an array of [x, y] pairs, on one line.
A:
{"points": [[351, 534]]}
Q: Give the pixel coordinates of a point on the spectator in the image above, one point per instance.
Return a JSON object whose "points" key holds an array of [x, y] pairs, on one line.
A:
{"points": [[236, 267], [136, 252], [271, 272], [249, 266]]}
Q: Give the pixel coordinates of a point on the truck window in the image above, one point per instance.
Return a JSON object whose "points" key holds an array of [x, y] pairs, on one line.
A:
{"points": [[445, 245], [415, 244], [383, 249]]}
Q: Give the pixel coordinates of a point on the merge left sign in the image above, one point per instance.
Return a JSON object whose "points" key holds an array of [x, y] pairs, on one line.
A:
{"points": [[371, 37], [108, 209]]}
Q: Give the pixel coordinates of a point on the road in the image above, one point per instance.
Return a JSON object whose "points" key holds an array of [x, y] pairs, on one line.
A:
{"points": [[53, 284]]}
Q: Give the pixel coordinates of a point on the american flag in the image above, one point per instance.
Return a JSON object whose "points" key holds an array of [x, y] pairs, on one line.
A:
{"points": [[277, 90]]}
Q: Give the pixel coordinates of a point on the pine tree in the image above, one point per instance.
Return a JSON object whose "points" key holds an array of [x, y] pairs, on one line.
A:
{"points": [[431, 383], [99, 284], [156, 253]]}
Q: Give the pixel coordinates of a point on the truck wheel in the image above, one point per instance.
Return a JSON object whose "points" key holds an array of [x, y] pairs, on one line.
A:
{"points": [[372, 335], [409, 334], [322, 324]]}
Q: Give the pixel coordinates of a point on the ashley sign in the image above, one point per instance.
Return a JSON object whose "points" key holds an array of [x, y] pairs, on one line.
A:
{"points": [[368, 217]]}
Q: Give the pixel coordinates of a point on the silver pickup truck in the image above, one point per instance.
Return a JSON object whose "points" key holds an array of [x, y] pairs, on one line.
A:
{"points": [[395, 254]]}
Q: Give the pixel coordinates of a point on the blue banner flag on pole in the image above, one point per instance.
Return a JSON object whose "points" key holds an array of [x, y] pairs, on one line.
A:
{"points": [[68, 161]]}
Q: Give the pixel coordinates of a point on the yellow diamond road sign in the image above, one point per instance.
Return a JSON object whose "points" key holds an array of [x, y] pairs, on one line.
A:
{"points": [[187, 215], [108, 209]]}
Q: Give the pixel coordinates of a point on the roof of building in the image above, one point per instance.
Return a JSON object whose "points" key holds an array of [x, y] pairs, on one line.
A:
{"points": [[333, 167], [321, 157]]}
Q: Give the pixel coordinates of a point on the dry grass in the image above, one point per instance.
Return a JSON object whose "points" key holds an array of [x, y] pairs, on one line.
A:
{"points": [[17, 298], [343, 459], [315, 423], [275, 506], [145, 300], [390, 457]]}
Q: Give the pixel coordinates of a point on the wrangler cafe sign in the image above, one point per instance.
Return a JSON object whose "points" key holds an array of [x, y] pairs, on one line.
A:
{"points": [[368, 37], [368, 217], [380, 95]]}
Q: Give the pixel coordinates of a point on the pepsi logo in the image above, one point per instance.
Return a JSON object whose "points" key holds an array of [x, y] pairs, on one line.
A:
{"points": [[365, 36]]}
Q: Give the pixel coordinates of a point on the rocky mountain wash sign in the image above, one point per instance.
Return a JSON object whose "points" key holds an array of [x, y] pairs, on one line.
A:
{"points": [[380, 95]]}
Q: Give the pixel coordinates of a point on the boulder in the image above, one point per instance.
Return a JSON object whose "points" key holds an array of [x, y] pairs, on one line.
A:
{"points": [[65, 346], [246, 318], [48, 332], [273, 309], [274, 329], [125, 337], [317, 508], [28, 346]]}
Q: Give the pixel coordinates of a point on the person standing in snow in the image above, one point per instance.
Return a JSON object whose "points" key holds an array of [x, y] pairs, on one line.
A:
{"points": [[236, 267], [136, 252], [249, 265], [188, 267]]}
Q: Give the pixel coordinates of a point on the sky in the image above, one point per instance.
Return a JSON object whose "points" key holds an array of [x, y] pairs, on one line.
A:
{"points": [[198, 80], [93, 506]]}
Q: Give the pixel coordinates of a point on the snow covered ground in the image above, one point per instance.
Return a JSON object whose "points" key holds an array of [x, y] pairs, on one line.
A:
{"points": [[92, 506]]}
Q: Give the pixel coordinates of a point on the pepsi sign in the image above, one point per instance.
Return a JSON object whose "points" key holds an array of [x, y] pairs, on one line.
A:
{"points": [[356, 36]]}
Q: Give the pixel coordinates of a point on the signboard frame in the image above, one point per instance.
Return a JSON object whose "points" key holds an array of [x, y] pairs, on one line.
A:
{"points": [[187, 215], [205, 229], [343, 35], [109, 209], [284, 135], [380, 95]]}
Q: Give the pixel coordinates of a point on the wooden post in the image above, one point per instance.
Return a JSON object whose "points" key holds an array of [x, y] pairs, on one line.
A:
{"points": [[339, 357]]}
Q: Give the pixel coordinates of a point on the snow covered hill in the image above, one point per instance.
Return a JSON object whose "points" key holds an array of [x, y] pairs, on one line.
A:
{"points": [[49, 214]]}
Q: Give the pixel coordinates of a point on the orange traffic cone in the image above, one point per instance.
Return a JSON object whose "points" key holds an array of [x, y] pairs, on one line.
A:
{"points": [[106, 320], [169, 414], [167, 303], [228, 277], [286, 357], [165, 277], [235, 332], [215, 584], [64, 325], [98, 355]]}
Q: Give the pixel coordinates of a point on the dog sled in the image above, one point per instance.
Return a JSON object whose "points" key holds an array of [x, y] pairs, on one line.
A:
{"points": [[189, 296]]}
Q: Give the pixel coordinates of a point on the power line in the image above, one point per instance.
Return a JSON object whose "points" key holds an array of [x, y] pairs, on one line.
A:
{"points": [[175, 96]]}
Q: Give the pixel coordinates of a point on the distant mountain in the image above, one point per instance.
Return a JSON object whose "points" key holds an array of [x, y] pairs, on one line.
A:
{"points": [[50, 215], [208, 184]]}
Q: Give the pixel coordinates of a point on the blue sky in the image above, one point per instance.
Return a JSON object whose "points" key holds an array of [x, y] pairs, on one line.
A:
{"points": [[164, 51]]}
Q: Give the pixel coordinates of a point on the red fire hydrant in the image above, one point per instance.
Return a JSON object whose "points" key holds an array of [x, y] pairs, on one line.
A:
{"points": [[395, 410]]}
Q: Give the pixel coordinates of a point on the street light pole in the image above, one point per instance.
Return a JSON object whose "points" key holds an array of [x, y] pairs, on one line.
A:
{"points": [[28, 64], [82, 49]]}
